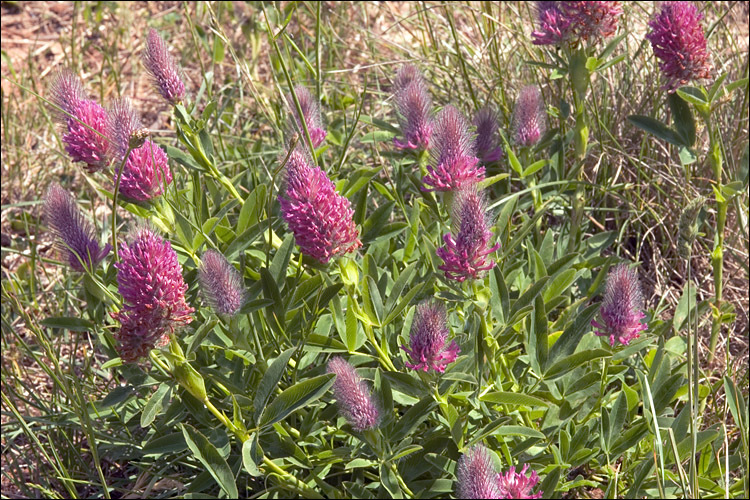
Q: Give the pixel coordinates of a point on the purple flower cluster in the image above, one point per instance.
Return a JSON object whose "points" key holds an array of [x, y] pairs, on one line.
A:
{"points": [[621, 308], [678, 40], [573, 22], [311, 113], [320, 218], [149, 278], [487, 142], [353, 397], [477, 478], [221, 284], [86, 121], [414, 107], [146, 173], [464, 254], [73, 233], [453, 155], [529, 121], [163, 69], [427, 339]]}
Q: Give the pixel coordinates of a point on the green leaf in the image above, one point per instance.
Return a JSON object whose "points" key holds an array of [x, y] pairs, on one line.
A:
{"points": [[210, 457], [572, 362], [248, 459], [500, 299], [512, 398], [412, 418], [559, 284], [295, 397], [373, 225], [656, 128], [567, 342], [251, 209], [389, 481], [154, 405], [519, 430], [528, 297], [538, 339], [270, 380], [534, 167], [171, 443], [68, 323], [271, 291], [617, 417], [694, 96], [682, 118], [513, 160], [684, 306], [403, 303], [281, 259], [351, 326]]}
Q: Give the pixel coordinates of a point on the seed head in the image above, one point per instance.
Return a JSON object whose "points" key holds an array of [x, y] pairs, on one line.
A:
{"points": [[427, 339], [414, 109], [476, 474], [621, 308], [354, 399], [529, 121], [320, 218], [221, 284], [487, 143], [453, 154], [678, 41], [149, 278], [311, 111], [514, 484], [85, 138], [73, 233], [464, 255], [163, 69]]}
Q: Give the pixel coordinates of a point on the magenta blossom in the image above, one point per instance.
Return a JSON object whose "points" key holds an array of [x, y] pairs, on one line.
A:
{"points": [[465, 254], [554, 25], [86, 121], [477, 478], [74, 234], [621, 308], [514, 484], [529, 121], [149, 278], [311, 112], [453, 154], [487, 142], [428, 337], [414, 107], [163, 69], [320, 218], [146, 173], [678, 40], [352, 395], [221, 284], [573, 22]]}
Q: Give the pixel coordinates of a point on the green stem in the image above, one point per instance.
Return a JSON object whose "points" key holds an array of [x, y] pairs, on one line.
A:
{"points": [[401, 482], [385, 360]]}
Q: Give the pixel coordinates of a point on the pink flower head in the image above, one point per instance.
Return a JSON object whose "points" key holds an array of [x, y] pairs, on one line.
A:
{"points": [[465, 254], [554, 26], [86, 136], [163, 69], [427, 339], [149, 278], [678, 40], [74, 234], [311, 112], [572, 22], [621, 307], [529, 121], [514, 484], [476, 475], [453, 154], [146, 173], [487, 142], [221, 284], [593, 20], [320, 218], [414, 107], [354, 399]]}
